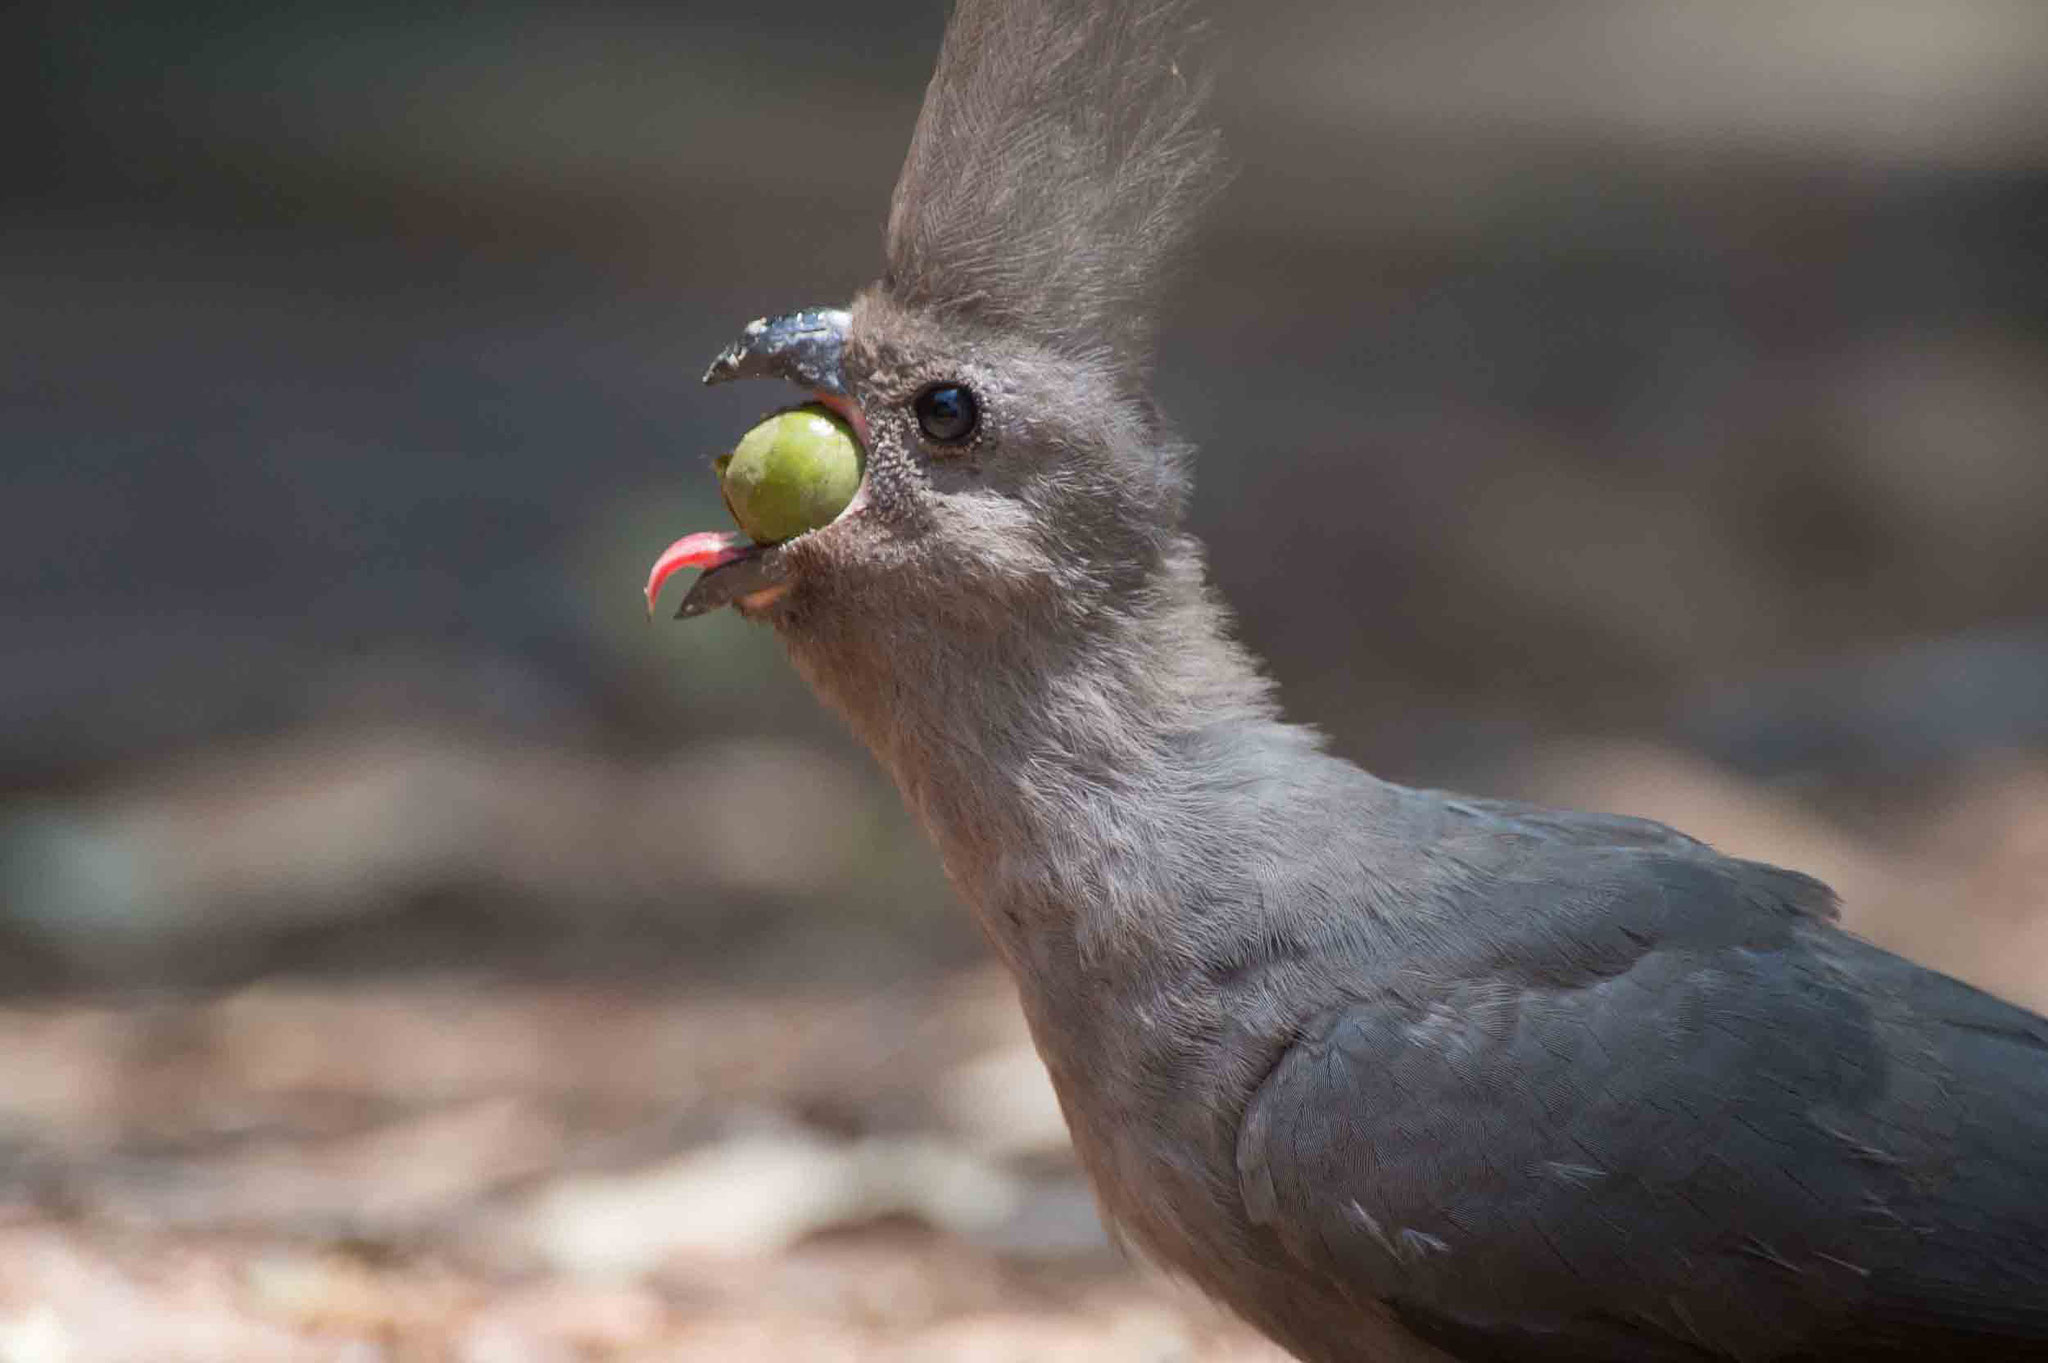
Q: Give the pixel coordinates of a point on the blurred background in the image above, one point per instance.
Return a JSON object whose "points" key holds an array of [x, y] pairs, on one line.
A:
{"points": [[410, 952]]}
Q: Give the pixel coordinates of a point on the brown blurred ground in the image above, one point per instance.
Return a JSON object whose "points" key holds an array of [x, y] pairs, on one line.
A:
{"points": [[426, 1170], [457, 1164], [408, 952]]}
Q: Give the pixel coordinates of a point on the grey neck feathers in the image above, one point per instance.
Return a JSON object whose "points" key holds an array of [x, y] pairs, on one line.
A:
{"points": [[1096, 791]]}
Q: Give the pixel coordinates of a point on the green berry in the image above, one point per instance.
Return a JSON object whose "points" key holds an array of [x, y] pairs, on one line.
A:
{"points": [[794, 472]]}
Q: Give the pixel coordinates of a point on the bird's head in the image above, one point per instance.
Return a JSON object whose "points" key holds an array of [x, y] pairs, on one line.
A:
{"points": [[1016, 470]]}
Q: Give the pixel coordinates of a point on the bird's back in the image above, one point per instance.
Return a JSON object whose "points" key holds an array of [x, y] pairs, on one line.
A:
{"points": [[1629, 1099]]}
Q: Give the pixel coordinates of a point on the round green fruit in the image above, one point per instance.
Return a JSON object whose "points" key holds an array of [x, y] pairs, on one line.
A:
{"points": [[794, 472]]}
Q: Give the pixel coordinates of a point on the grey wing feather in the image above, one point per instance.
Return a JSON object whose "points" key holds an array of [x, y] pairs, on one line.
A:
{"points": [[1757, 1139]]}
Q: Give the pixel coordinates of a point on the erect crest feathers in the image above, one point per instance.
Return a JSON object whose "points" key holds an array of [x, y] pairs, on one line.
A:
{"points": [[1060, 159]]}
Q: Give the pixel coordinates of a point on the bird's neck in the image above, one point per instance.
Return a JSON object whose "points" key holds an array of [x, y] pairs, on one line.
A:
{"points": [[1091, 789], [1141, 837]]}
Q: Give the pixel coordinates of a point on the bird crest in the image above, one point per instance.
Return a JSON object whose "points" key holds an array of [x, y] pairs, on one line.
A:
{"points": [[1059, 162]]}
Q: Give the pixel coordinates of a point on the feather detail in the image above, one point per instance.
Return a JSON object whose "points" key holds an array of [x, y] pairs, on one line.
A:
{"points": [[1059, 162]]}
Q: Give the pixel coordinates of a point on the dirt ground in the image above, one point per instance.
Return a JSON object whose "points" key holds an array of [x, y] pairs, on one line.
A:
{"points": [[495, 1168], [439, 1169]]}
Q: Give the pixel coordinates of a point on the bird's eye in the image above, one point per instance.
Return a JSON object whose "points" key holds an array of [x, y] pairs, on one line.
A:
{"points": [[947, 413]]}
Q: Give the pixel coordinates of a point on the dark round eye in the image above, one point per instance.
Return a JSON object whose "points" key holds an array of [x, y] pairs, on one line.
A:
{"points": [[947, 413]]}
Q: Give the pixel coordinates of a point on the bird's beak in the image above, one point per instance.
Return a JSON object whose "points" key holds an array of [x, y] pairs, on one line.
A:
{"points": [[806, 348], [734, 567]]}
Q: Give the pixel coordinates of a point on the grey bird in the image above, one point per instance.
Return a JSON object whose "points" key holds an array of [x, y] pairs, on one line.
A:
{"points": [[1393, 1073]]}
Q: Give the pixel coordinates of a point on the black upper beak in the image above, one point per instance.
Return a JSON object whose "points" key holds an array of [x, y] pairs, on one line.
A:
{"points": [[804, 347]]}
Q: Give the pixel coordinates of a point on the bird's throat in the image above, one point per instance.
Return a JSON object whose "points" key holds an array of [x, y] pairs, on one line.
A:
{"points": [[1123, 809], [1076, 783]]}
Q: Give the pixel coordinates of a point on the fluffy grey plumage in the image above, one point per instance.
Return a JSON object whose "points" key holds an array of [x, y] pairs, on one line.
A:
{"points": [[1060, 157], [1396, 1075]]}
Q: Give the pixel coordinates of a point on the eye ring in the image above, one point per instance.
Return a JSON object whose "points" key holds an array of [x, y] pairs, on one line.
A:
{"points": [[947, 413]]}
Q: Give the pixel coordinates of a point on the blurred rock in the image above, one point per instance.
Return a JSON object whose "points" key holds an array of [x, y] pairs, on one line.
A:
{"points": [[757, 1194]]}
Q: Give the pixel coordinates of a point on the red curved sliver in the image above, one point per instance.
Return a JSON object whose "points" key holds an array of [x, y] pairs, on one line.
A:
{"points": [[706, 549]]}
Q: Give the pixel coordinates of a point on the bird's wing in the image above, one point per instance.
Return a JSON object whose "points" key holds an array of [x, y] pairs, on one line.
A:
{"points": [[1751, 1137]]}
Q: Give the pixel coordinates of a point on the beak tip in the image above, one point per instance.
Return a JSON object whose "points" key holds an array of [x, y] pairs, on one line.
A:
{"points": [[803, 347]]}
